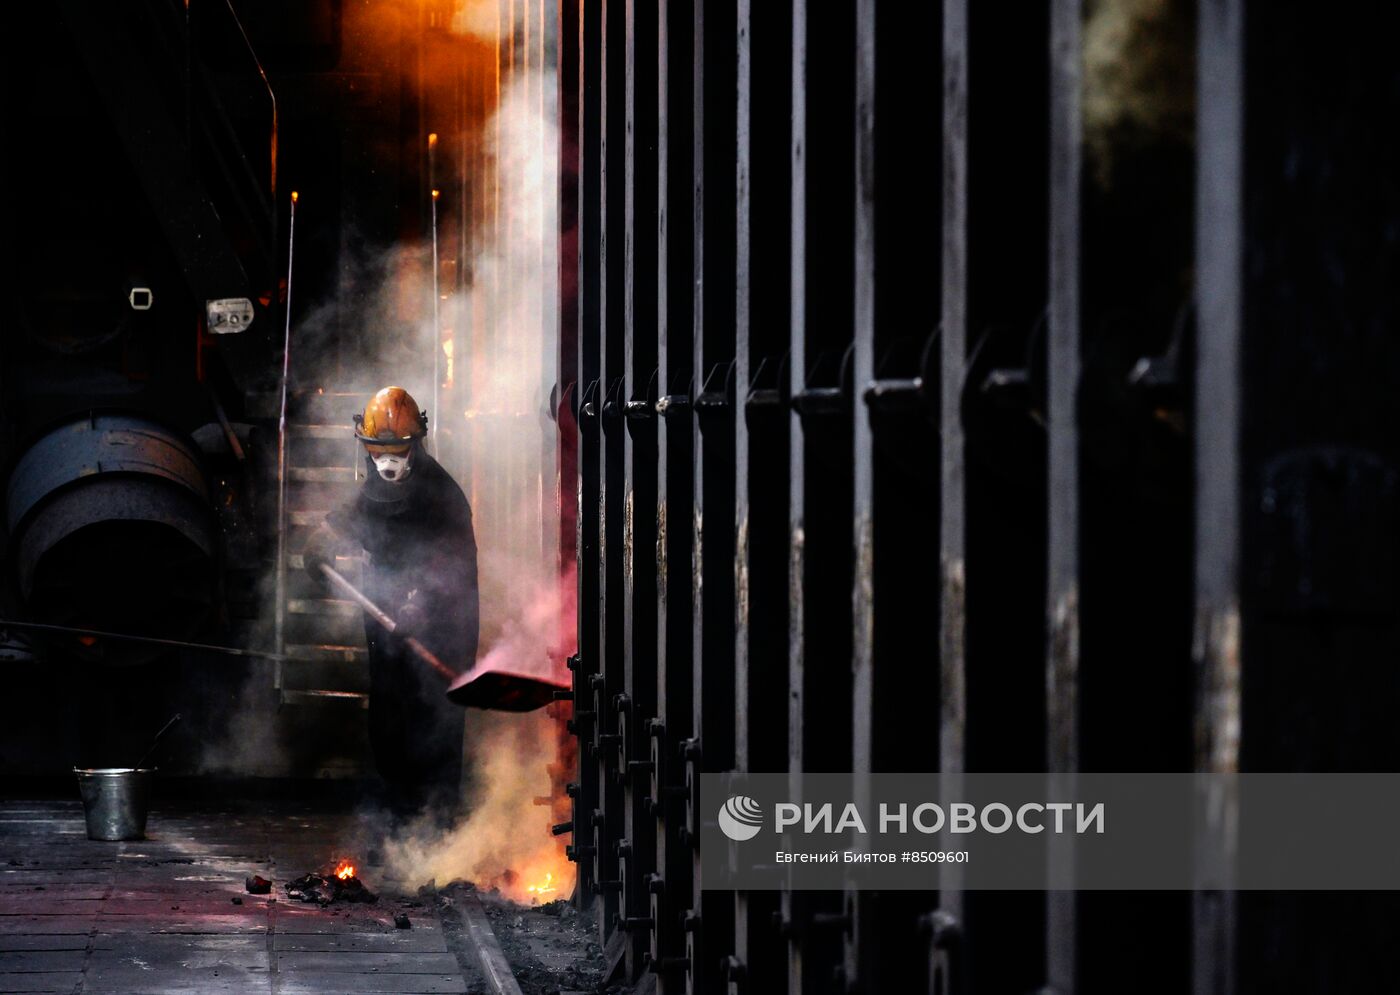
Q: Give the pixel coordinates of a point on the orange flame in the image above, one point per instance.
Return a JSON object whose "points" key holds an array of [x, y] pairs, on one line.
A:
{"points": [[544, 887], [345, 870]]}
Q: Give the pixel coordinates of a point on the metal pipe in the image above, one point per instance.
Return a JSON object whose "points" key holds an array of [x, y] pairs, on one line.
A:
{"points": [[437, 325], [271, 96], [229, 433], [280, 609], [156, 742], [437, 293], [385, 622], [6, 623]]}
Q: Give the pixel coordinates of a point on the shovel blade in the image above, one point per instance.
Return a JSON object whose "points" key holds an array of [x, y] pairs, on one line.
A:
{"points": [[503, 690]]}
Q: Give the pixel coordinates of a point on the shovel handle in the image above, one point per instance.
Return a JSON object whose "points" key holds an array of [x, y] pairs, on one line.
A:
{"points": [[428, 657], [353, 592], [385, 622]]}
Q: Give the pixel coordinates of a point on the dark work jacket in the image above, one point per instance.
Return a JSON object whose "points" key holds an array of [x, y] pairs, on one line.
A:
{"points": [[421, 547]]}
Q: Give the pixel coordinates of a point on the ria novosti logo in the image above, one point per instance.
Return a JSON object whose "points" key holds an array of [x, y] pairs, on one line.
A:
{"points": [[741, 818]]}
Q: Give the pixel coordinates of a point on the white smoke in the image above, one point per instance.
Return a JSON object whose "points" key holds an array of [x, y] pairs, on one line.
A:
{"points": [[1139, 77], [502, 352]]}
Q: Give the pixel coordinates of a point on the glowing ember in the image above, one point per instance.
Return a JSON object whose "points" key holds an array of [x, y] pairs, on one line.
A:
{"points": [[345, 870], [543, 888]]}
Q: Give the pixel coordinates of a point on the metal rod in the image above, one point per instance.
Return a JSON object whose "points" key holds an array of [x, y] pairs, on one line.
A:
{"points": [[229, 433], [952, 694], [280, 609], [156, 742], [1062, 482], [387, 623], [437, 295], [1219, 394], [6, 623]]}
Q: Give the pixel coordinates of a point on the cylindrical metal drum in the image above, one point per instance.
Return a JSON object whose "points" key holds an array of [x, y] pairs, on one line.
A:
{"points": [[115, 801], [112, 530]]}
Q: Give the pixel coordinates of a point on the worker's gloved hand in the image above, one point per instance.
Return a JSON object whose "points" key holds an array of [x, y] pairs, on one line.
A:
{"points": [[410, 618]]}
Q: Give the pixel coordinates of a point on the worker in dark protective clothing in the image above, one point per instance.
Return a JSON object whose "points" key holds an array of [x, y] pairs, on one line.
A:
{"points": [[415, 525]]}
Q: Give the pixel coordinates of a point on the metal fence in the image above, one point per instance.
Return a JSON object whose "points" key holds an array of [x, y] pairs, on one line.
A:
{"points": [[953, 387]]}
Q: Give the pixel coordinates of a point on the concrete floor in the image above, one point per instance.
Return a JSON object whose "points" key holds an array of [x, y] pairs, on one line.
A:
{"points": [[158, 916]]}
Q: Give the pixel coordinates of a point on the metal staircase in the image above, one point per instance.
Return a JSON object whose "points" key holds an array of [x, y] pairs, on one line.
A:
{"points": [[325, 635]]}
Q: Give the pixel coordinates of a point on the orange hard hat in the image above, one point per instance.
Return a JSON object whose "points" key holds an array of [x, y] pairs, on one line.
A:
{"points": [[391, 419]]}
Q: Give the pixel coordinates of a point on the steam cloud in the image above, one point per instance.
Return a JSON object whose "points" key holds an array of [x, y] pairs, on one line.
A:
{"points": [[493, 342], [1139, 78], [502, 367]]}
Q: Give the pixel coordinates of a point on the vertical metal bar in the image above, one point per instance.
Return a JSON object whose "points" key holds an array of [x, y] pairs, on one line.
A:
{"points": [[566, 282], [699, 946], [437, 321], [526, 85], [611, 395], [629, 823], [762, 177], [713, 348], [858, 959], [280, 617], [743, 38], [797, 366], [743, 210], [484, 311], [952, 727], [590, 323], [548, 231], [668, 893], [1217, 419], [637, 702], [1062, 669], [863, 690], [673, 894], [464, 337], [502, 483]]}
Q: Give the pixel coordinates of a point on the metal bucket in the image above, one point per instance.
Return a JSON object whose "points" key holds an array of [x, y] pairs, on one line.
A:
{"points": [[115, 801]]}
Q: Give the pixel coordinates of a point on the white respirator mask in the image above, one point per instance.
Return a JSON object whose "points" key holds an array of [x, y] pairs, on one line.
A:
{"points": [[394, 469]]}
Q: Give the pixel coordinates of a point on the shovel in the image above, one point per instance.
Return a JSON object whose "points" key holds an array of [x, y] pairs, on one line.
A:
{"points": [[501, 690], [385, 622]]}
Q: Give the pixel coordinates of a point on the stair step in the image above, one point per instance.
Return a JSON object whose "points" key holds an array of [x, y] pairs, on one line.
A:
{"points": [[306, 517], [322, 474], [309, 696], [328, 651], [313, 407], [321, 606], [345, 564], [324, 630]]}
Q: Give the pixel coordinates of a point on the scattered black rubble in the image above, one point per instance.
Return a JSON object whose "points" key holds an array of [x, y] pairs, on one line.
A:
{"points": [[402, 921], [258, 885], [327, 889]]}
